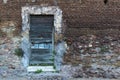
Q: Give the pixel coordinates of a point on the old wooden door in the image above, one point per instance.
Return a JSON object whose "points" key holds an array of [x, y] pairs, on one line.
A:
{"points": [[41, 39]]}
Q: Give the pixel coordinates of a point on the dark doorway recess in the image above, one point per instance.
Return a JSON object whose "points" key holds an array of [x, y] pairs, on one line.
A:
{"points": [[42, 40]]}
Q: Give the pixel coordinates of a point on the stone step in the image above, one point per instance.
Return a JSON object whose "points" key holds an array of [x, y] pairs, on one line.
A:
{"points": [[42, 63]]}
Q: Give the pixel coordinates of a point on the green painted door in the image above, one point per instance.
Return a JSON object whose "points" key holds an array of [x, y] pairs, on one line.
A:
{"points": [[41, 39]]}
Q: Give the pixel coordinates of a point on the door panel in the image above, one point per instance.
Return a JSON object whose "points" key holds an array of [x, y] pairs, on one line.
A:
{"points": [[41, 38]]}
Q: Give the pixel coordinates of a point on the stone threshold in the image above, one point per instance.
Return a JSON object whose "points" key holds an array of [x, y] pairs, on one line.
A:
{"points": [[43, 68]]}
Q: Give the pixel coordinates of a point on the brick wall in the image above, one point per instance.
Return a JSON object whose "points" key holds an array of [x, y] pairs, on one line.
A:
{"points": [[79, 16], [92, 32], [76, 13]]}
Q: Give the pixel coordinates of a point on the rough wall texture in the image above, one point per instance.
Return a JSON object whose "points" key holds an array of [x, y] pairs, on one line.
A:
{"points": [[76, 13], [91, 30]]}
